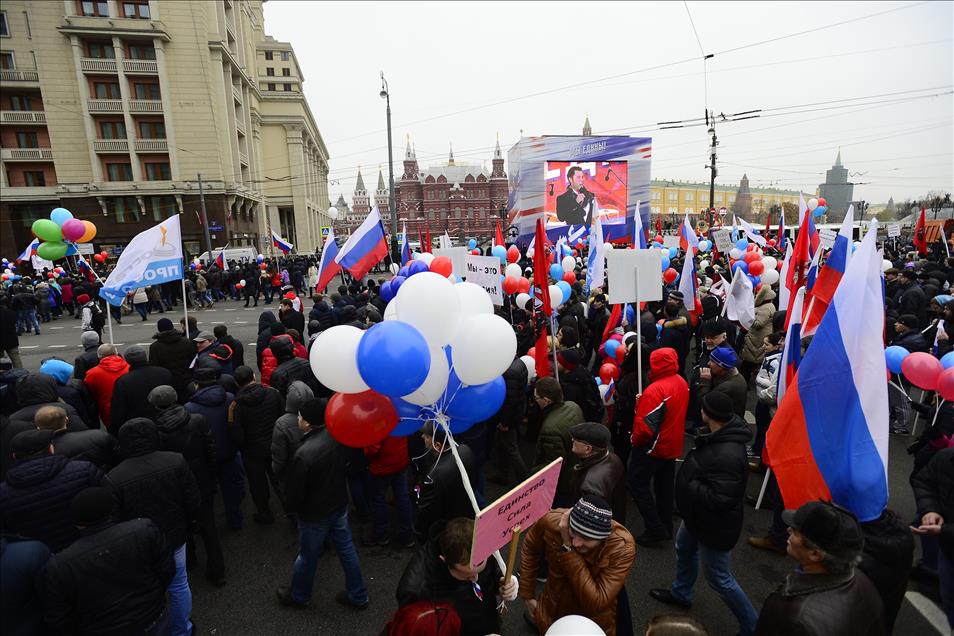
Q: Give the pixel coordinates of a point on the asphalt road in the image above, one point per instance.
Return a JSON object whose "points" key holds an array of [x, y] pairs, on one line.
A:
{"points": [[258, 558]]}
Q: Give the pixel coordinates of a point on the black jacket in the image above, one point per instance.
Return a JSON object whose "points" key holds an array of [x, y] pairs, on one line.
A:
{"points": [[252, 418], [190, 435], [212, 402], [886, 560], [35, 498], [8, 329], [95, 446], [291, 368], [322, 313], [154, 484], [35, 392], [131, 392], [912, 340], [442, 496], [911, 300], [172, 351], [934, 492], [573, 213], [265, 321], [112, 581], [514, 406], [710, 485], [238, 350], [293, 319], [315, 481], [426, 578], [85, 361], [77, 395]]}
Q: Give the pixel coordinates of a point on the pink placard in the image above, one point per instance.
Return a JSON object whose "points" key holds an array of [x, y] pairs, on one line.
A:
{"points": [[519, 508]]}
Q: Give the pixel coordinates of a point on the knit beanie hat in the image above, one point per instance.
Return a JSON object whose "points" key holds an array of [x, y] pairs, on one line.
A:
{"points": [[724, 357], [164, 324], [162, 397], [82, 299], [591, 517], [89, 339]]}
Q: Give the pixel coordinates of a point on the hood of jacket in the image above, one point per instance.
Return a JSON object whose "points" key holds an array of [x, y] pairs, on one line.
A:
{"points": [[663, 363], [212, 395], [172, 419], [765, 295], [168, 337], [251, 395], [114, 364], [298, 394], [283, 347], [137, 437], [36, 389], [60, 370], [265, 320], [35, 471]]}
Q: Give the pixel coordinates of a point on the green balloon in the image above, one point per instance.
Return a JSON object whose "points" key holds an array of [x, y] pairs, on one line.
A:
{"points": [[52, 250], [47, 230]]}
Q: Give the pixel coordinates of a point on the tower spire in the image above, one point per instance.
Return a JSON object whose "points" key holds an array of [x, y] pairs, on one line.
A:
{"points": [[359, 186], [838, 158], [409, 153], [450, 158], [587, 130], [497, 153]]}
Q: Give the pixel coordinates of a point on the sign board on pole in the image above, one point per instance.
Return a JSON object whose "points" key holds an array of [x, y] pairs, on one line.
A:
{"points": [[671, 240], [485, 271], [826, 237], [84, 248], [624, 266], [324, 231], [723, 241], [516, 511], [458, 256], [894, 230]]}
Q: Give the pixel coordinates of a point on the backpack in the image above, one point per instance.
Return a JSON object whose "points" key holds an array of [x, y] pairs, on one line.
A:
{"points": [[98, 317]]}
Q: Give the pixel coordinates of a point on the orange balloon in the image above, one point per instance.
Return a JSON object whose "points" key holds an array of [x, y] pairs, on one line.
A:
{"points": [[89, 234]]}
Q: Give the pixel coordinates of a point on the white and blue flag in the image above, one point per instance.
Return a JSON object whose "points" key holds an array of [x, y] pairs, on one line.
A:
{"points": [[150, 258]]}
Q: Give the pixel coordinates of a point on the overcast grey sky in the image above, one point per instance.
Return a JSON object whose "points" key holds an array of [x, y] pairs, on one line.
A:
{"points": [[462, 72]]}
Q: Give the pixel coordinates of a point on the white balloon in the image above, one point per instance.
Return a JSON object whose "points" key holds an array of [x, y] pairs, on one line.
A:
{"points": [[629, 335], [390, 312], [703, 264], [735, 253], [608, 247], [604, 389], [531, 365], [568, 263], [574, 625], [770, 262], [436, 380], [812, 203], [769, 277], [513, 270], [395, 268], [886, 265], [483, 348], [473, 300], [556, 296], [334, 359], [333, 213], [429, 302], [453, 279], [427, 257], [522, 299], [242, 282]]}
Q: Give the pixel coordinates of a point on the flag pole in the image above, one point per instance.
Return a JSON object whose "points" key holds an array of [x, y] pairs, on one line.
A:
{"points": [[639, 338], [556, 366], [185, 301], [109, 323]]}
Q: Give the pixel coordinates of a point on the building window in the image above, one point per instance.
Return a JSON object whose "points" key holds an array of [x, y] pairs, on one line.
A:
{"points": [[268, 55], [21, 102], [7, 62], [27, 140], [107, 90], [286, 56], [125, 209], [136, 9], [119, 172], [270, 71], [98, 8], [157, 172], [4, 27], [271, 87], [147, 91], [286, 72], [142, 52], [287, 87], [655, 196], [112, 130], [718, 198], [152, 130], [162, 207], [688, 196], [100, 50], [671, 196], [34, 178]]}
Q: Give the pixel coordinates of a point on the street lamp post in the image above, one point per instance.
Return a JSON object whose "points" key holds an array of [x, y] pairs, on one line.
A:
{"points": [[392, 206]]}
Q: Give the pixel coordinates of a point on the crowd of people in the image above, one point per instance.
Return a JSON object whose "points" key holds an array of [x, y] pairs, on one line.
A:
{"points": [[111, 464]]}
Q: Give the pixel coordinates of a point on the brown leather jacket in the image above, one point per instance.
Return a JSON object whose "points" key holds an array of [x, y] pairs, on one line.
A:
{"points": [[577, 584]]}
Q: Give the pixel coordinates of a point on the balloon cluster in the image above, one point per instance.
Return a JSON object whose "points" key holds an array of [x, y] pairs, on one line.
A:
{"points": [[9, 271], [195, 265], [60, 233], [101, 257], [421, 262], [923, 370], [818, 206], [438, 355], [751, 261]]}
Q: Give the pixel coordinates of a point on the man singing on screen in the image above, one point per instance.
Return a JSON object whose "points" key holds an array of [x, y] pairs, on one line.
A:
{"points": [[575, 206]]}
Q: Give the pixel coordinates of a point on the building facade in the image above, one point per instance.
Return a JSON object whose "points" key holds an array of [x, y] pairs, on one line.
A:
{"points": [[110, 109], [671, 200], [836, 189]]}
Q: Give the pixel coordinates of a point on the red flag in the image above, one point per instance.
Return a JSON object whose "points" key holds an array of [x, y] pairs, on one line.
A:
{"points": [[541, 355], [541, 267], [613, 322], [420, 234], [798, 267], [658, 226], [498, 234], [429, 248], [920, 238]]}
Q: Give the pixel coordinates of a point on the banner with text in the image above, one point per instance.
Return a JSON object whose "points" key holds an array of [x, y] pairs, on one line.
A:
{"points": [[485, 271]]}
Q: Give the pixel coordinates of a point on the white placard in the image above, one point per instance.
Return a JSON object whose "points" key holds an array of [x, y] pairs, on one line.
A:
{"points": [[894, 230], [457, 256], [723, 241], [84, 248], [671, 240], [826, 237], [485, 271], [623, 267]]}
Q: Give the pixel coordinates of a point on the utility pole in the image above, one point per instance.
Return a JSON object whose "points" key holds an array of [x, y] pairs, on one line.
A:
{"points": [[392, 206], [712, 159], [205, 220]]}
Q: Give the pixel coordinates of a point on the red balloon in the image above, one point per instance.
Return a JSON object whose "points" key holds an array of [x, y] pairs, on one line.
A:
{"points": [[658, 238], [757, 288], [751, 257], [670, 275], [922, 370], [49, 275], [98, 258], [771, 242], [510, 285], [756, 268], [570, 277], [105, 254], [262, 266], [822, 202], [360, 419], [620, 354], [475, 252], [575, 253], [523, 285], [442, 265], [513, 254], [579, 245], [945, 384], [608, 372]]}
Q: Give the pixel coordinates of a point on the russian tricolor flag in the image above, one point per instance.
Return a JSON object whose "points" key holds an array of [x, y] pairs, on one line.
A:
{"points": [[365, 247], [405, 249], [829, 438], [639, 236], [687, 237], [328, 268], [30, 251], [281, 244], [830, 275], [220, 259]]}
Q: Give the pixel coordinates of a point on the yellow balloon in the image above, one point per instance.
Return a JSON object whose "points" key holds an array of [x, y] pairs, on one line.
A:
{"points": [[89, 234]]}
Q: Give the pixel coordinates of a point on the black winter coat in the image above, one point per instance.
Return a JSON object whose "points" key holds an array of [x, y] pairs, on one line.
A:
{"points": [[238, 350], [33, 393], [35, 498], [514, 406], [886, 560], [265, 321], [112, 581], [8, 329], [172, 351], [315, 484], [189, 435], [77, 395], [154, 484], [442, 496], [710, 485], [293, 319], [95, 446], [131, 392], [291, 368], [85, 361], [212, 402], [252, 418], [934, 492], [911, 300], [322, 313]]}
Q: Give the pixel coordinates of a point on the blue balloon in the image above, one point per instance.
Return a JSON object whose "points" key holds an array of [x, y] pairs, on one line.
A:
{"points": [[556, 271], [477, 402], [665, 262], [754, 280], [416, 267], [386, 293], [659, 329], [388, 346], [501, 253], [630, 314], [894, 356], [260, 259], [947, 360], [817, 212], [404, 271], [472, 244], [742, 244], [60, 216], [412, 417], [740, 264], [673, 252], [71, 249], [396, 283], [610, 348], [566, 289]]}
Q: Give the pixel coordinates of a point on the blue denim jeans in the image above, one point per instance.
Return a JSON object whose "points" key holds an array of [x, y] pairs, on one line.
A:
{"points": [[402, 501], [717, 567], [311, 539], [180, 597], [26, 320]]}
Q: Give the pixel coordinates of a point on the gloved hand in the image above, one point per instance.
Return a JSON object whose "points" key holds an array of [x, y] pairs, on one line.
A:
{"points": [[508, 590]]}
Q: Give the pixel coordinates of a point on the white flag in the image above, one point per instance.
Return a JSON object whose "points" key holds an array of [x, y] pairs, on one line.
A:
{"points": [[750, 232], [151, 257], [595, 264], [740, 302], [784, 293]]}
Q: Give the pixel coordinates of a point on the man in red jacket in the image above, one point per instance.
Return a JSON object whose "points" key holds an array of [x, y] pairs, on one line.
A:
{"points": [[388, 462], [657, 442], [101, 379]]}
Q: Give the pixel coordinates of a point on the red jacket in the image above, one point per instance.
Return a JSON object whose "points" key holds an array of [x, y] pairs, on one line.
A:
{"points": [[667, 387], [388, 457], [100, 381]]}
